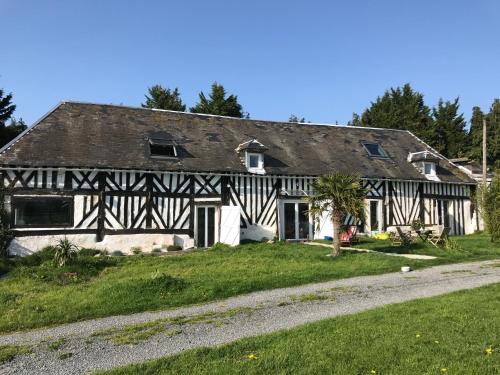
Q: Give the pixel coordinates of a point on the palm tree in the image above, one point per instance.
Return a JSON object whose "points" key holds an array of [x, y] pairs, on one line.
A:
{"points": [[337, 194]]}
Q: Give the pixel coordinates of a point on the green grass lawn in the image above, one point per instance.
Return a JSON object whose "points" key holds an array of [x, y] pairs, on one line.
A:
{"points": [[474, 246], [457, 333], [34, 294]]}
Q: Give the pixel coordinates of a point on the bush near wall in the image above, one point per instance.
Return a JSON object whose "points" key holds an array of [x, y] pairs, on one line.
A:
{"points": [[489, 203], [6, 235]]}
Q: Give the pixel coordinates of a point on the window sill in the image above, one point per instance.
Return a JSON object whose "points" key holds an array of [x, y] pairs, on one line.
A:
{"points": [[257, 170], [432, 177]]}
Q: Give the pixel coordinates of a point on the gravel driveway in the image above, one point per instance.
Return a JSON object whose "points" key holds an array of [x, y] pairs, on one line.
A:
{"points": [[90, 345]]}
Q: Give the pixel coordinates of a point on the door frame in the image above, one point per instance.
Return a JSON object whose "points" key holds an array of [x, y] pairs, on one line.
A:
{"points": [[207, 205], [281, 219], [380, 216]]}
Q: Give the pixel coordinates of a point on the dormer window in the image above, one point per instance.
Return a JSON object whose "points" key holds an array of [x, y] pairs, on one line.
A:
{"points": [[162, 148], [425, 162], [255, 162], [374, 150], [252, 155], [429, 168]]}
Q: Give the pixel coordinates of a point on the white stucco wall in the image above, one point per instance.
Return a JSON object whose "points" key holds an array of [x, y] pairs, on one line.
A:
{"points": [[258, 232], [123, 242]]}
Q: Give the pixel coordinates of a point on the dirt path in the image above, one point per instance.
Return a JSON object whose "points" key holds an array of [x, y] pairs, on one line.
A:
{"points": [[106, 343]]}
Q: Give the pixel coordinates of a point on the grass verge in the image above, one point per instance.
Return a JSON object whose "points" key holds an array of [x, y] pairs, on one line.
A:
{"points": [[35, 294], [453, 334]]}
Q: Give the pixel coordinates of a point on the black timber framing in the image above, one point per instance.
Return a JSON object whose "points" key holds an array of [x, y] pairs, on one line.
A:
{"points": [[149, 199], [43, 232], [101, 215], [225, 191], [449, 197], [421, 214], [191, 206], [391, 204]]}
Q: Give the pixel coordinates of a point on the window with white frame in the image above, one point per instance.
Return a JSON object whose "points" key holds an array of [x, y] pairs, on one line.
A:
{"points": [[428, 168], [255, 162]]}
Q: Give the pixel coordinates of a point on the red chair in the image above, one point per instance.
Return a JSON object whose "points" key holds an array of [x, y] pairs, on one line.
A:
{"points": [[347, 238]]}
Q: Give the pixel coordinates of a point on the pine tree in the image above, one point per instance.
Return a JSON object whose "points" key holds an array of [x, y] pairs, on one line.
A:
{"points": [[11, 131], [475, 136], [6, 107], [399, 108], [163, 98], [294, 118], [218, 104], [450, 133], [492, 135]]}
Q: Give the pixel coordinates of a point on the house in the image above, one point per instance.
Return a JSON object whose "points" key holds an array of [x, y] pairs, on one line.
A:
{"points": [[116, 177]]}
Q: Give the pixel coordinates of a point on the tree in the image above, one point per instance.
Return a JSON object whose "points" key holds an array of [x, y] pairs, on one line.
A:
{"points": [[450, 133], [493, 134], [163, 98], [11, 131], [399, 108], [337, 194], [489, 205], [475, 136], [294, 118], [6, 107], [218, 104]]}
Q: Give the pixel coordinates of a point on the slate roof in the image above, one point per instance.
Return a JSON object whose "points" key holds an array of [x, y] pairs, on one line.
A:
{"points": [[116, 137]]}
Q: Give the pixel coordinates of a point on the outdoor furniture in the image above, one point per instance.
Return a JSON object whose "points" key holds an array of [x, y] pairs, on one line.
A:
{"points": [[424, 234], [350, 236], [438, 238], [400, 238]]}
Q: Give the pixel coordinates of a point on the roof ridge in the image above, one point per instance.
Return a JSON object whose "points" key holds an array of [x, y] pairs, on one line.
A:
{"points": [[229, 117]]}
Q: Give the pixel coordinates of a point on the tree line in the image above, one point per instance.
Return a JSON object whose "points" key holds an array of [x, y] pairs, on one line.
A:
{"points": [[443, 127], [217, 102]]}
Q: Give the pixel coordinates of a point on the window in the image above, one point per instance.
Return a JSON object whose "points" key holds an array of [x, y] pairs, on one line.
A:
{"points": [[162, 148], [429, 169], [255, 162], [375, 150], [42, 212]]}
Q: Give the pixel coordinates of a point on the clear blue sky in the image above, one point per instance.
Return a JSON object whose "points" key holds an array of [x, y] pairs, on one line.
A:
{"points": [[318, 59]]}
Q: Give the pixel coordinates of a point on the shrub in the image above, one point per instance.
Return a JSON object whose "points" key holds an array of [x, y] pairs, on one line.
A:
{"points": [[89, 252], [117, 253], [489, 203], [136, 250], [35, 259], [5, 266], [65, 253], [174, 248], [6, 235], [80, 269], [156, 250]]}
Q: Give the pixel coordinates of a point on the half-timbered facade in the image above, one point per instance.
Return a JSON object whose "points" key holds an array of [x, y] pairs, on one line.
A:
{"points": [[118, 177]]}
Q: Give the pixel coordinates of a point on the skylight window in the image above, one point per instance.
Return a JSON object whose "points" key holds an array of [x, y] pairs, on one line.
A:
{"points": [[162, 148], [375, 150]]}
